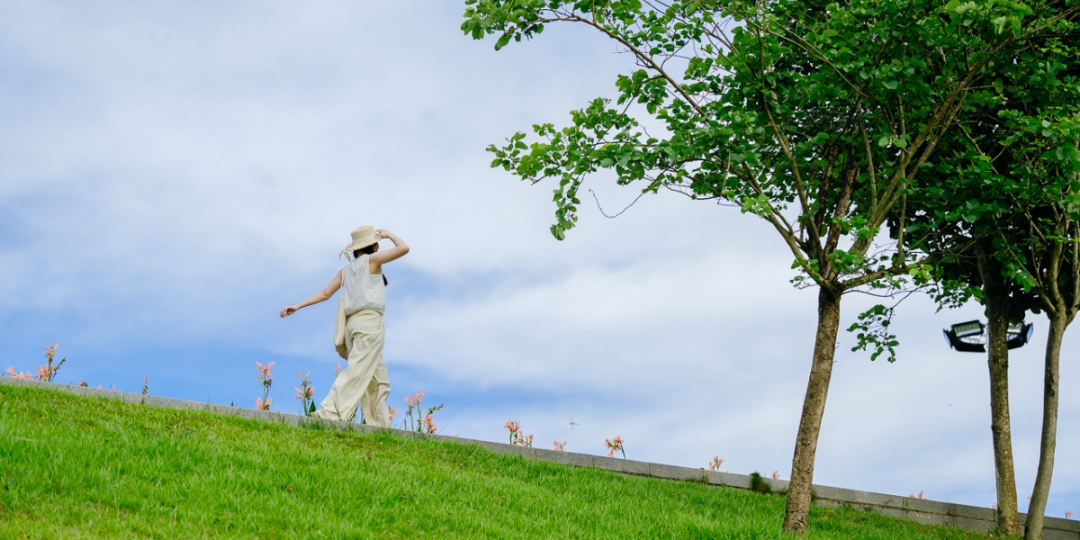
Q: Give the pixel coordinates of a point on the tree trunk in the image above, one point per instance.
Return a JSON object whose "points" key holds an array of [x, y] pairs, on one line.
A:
{"points": [[817, 389], [1048, 444], [996, 298]]}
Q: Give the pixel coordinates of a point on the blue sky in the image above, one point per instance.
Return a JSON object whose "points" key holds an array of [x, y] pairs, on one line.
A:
{"points": [[173, 173]]}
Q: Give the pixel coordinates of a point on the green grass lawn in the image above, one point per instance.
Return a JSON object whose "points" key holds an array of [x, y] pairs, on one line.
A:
{"points": [[73, 467]]}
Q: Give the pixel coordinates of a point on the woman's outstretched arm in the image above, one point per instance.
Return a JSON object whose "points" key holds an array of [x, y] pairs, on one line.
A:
{"points": [[320, 296], [379, 258]]}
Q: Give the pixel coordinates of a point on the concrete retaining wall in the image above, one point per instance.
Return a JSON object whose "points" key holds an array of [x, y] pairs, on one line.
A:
{"points": [[933, 512]]}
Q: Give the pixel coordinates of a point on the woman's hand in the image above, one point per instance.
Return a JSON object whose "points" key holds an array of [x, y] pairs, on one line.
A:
{"points": [[382, 257], [288, 310]]}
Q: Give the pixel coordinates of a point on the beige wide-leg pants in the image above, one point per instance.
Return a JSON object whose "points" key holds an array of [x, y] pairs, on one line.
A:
{"points": [[363, 383]]}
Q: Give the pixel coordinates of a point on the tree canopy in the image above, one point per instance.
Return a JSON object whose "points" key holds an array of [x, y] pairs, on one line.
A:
{"points": [[1011, 185], [820, 118]]}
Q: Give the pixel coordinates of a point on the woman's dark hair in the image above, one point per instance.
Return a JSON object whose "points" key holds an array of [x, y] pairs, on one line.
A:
{"points": [[368, 251]]}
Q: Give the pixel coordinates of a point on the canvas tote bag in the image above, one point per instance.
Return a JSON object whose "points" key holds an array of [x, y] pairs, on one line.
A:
{"points": [[339, 330]]}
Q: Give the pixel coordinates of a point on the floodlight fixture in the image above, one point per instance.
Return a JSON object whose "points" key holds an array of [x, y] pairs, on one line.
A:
{"points": [[971, 336]]}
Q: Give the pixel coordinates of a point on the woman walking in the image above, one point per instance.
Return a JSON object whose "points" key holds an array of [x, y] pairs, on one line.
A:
{"points": [[363, 383]]}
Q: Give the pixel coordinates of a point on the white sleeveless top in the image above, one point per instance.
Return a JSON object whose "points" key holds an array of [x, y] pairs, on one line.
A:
{"points": [[361, 288]]}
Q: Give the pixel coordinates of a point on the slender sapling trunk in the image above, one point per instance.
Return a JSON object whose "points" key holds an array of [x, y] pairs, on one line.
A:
{"points": [[1048, 443], [996, 298]]}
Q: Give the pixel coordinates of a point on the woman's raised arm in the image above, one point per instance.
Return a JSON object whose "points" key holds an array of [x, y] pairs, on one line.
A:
{"points": [[380, 258]]}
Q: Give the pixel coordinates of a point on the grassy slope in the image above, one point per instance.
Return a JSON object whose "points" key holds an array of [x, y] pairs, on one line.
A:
{"points": [[74, 467]]}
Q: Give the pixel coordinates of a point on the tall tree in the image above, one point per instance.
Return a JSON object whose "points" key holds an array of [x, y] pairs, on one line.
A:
{"points": [[815, 117], [1015, 184], [978, 273], [1036, 162], [1056, 269]]}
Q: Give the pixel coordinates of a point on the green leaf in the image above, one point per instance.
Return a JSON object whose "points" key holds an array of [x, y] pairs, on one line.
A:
{"points": [[503, 40], [558, 232]]}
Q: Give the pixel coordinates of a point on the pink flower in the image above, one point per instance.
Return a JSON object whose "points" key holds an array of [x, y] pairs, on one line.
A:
{"points": [[264, 372], [337, 369], [615, 444], [50, 351], [26, 376], [1069, 514], [410, 401], [715, 464], [304, 393], [43, 373], [776, 475], [393, 412], [559, 446], [515, 433], [263, 405], [429, 425]]}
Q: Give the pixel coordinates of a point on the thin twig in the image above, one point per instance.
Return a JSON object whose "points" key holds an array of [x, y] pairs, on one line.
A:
{"points": [[620, 213]]}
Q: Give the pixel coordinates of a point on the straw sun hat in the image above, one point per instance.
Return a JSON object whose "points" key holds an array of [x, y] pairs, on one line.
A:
{"points": [[362, 237]]}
